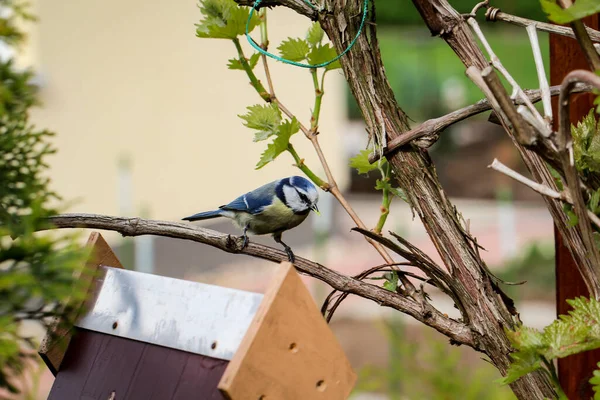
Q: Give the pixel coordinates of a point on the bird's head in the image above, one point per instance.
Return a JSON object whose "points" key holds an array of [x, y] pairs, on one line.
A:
{"points": [[301, 195]]}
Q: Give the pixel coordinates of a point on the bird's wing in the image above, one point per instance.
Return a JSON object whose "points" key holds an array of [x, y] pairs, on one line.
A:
{"points": [[248, 203], [253, 202]]}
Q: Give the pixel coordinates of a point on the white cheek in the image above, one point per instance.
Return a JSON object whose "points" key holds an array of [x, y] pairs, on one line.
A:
{"points": [[293, 199]]}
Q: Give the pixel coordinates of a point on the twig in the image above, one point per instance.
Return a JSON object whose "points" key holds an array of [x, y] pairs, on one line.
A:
{"points": [[543, 129], [517, 91], [592, 57], [590, 52], [494, 14], [264, 36], [539, 188], [137, 226], [541, 72], [436, 125], [523, 132]]}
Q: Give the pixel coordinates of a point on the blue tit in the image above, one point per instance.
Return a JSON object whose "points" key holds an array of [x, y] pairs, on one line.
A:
{"points": [[271, 209]]}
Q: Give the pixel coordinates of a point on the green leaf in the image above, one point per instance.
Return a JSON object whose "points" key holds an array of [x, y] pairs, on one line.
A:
{"points": [[579, 10], [595, 382], [322, 54], [315, 34], [293, 49], [360, 162], [235, 63], [381, 184], [391, 282], [263, 118], [224, 19], [523, 363], [572, 217], [594, 201], [280, 144]]}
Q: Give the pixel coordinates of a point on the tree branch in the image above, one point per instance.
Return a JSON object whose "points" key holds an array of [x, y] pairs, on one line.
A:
{"points": [[494, 14], [455, 330], [436, 125], [300, 6]]}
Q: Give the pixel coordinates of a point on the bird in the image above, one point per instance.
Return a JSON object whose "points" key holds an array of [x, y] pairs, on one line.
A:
{"points": [[273, 208]]}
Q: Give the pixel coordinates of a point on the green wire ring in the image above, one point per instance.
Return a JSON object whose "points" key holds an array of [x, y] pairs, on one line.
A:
{"points": [[298, 64]]}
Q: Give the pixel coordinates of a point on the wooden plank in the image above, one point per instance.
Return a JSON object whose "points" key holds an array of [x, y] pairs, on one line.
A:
{"points": [[158, 374], [574, 371], [54, 345], [200, 379], [98, 366], [289, 351]]}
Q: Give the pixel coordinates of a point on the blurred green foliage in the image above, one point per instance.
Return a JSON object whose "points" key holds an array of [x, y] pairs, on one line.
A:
{"points": [[429, 80], [535, 265], [573, 333], [36, 271], [429, 368]]}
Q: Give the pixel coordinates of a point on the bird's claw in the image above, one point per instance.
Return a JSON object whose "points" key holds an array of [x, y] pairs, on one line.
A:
{"points": [[290, 254], [245, 242]]}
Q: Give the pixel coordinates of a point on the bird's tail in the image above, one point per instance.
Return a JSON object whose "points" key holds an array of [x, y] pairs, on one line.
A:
{"points": [[203, 215]]}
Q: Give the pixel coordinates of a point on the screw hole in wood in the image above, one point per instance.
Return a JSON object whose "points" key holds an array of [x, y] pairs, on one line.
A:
{"points": [[321, 386], [293, 347]]}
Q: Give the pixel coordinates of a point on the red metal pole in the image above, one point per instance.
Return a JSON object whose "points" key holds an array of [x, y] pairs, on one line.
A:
{"points": [[574, 371]]}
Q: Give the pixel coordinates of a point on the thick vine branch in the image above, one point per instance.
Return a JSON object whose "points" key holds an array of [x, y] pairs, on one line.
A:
{"points": [[455, 330], [436, 125]]}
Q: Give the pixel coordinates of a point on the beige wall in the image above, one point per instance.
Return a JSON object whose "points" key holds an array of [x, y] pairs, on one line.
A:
{"points": [[130, 78]]}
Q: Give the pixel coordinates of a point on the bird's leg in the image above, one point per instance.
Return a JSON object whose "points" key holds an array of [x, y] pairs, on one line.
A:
{"points": [[245, 237], [288, 249]]}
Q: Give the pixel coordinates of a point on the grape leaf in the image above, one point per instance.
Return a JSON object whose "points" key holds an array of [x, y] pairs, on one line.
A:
{"points": [[263, 118], [391, 281], [581, 9], [360, 162], [322, 54], [224, 19], [293, 49], [235, 63], [315, 34], [280, 144]]}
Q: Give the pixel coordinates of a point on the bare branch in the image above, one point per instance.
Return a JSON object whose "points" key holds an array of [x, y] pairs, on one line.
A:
{"points": [[494, 14], [436, 125], [138, 226], [539, 188], [541, 72], [300, 6], [523, 132]]}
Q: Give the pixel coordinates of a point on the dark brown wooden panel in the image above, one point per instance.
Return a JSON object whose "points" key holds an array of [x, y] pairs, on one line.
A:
{"points": [[158, 374], [97, 365], [574, 371]]}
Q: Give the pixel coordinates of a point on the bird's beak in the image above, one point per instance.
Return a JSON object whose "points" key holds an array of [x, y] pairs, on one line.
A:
{"points": [[315, 209]]}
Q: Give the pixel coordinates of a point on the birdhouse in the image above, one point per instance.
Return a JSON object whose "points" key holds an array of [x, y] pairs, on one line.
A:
{"points": [[142, 336]]}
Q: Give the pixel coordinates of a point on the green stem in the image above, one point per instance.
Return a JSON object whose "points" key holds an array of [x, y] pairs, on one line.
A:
{"points": [[314, 119], [264, 36], [307, 171], [385, 202], [552, 371], [260, 89]]}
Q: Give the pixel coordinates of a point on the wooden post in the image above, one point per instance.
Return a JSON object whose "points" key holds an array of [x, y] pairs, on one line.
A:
{"points": [[574, 371]]}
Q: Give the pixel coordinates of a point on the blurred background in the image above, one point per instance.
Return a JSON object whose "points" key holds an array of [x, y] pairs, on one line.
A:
{"points": [[146, 121]]}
